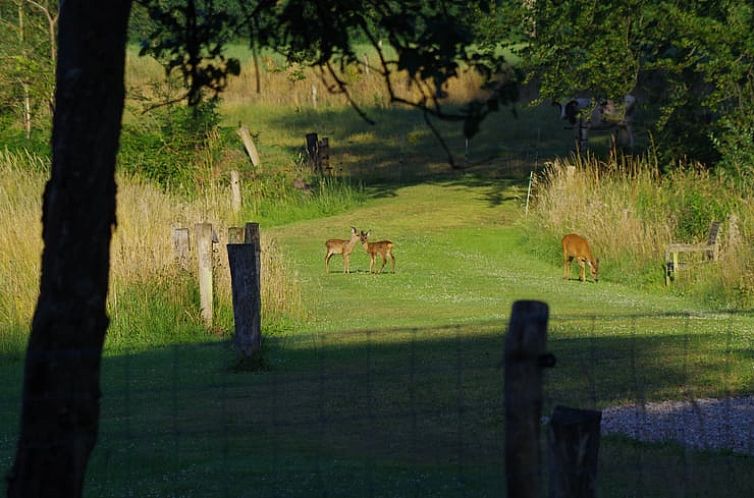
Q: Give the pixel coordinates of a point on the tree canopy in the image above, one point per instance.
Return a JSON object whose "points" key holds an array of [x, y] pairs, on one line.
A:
{"points": [[692, 60]]}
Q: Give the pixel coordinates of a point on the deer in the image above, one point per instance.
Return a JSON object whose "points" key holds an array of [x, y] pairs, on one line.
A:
{"points": [[576, 247], [342, 247], [384, 248]]}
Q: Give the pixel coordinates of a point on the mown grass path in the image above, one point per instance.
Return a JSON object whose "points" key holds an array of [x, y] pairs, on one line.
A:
{"points": [[459, 259]]}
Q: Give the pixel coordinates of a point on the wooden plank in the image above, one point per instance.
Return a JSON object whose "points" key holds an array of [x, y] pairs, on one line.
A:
{"points": [[524, 348], [312, 152], [247, 302], [248, 144], [204, 236], [251, 236]]}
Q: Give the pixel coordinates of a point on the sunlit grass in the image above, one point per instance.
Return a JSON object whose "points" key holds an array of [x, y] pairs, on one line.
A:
{"points": [[151, 301]]}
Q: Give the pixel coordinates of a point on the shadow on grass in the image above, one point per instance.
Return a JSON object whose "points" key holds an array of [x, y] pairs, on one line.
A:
{"points": [[395, 412], [401, 150]]}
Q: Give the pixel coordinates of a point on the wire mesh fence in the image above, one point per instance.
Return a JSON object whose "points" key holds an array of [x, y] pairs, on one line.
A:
{"points": [[419, 412]]}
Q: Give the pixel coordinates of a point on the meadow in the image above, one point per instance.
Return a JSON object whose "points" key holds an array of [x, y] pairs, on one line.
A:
{"points": [[388, 384]]}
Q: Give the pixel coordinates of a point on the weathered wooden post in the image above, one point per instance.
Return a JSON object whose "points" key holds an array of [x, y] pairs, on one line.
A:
{"points": [[181, 246], [248, 143], [524, 360], [251, 236], [312, 152], [204, 239], [247, 302], [574, 441], [235, 191], [235, 235]]}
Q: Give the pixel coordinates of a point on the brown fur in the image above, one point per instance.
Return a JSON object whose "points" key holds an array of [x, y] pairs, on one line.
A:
{"points": [[343, 247], [384, 248], [576, 247]]}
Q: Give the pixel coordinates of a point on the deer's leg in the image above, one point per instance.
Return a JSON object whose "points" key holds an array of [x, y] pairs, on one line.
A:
{"points": [[384, 261], [582, 270], [371, 263], [566, 267], [345, 263], [327, 262]]}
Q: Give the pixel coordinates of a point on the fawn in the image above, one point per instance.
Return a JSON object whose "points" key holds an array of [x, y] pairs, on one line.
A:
{"points": [[576, 247], [343, 247], [384, 248]]}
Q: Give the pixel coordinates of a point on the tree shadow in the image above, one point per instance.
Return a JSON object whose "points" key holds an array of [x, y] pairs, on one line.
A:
{"points": [[388, 411], [400, 150]]}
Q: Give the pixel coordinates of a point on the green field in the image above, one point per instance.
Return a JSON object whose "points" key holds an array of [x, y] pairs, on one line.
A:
{"points": [[392, 384]]}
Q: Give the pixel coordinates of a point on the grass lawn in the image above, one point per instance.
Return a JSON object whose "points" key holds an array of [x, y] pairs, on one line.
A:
{"points": [[393, 384]]}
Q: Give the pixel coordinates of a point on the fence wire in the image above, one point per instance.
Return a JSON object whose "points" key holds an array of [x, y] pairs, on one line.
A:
{"points": [[419, 412]]}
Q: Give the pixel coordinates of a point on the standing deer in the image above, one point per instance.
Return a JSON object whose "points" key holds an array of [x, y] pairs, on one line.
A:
{"points": [[384, 248], [576, 247], [343, 247]]}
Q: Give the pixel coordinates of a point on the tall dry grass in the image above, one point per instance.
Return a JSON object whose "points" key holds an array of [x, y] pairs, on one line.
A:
{"points": [[630, 211], [144, 276], [292, 85]]}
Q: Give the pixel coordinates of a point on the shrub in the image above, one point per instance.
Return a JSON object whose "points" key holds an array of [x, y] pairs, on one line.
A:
{"points": [[629, 212]]}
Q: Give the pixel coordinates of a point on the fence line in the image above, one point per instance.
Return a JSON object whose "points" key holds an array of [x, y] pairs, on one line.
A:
{"points": [[419, 411]]}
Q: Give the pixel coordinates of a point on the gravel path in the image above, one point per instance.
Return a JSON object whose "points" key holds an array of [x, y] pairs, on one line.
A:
{"points": [[726, 423]]}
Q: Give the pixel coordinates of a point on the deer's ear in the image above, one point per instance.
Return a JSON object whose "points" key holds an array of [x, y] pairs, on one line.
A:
{"points": [[353, 229]]}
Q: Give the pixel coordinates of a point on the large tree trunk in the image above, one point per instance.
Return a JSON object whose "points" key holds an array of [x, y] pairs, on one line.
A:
{"points": [[60, 406]]}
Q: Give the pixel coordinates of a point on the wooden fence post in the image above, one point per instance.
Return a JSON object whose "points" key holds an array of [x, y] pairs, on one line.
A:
{"points": [[574, 441], [248, 143], [204, 240], [251, 236], [524, 359], [312, 152], [247, 303], [235, 191], [181, 246]]}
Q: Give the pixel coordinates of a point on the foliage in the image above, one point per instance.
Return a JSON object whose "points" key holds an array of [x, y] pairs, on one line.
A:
{"points": [[151, 302], [431, 41], [163, 144], [630, 212], [190, 37], [694, 61], [26, 60]]}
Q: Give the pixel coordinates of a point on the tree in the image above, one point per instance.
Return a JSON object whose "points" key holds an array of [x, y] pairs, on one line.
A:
{"points": [[60, 404], [692, 61], [27, 50]]}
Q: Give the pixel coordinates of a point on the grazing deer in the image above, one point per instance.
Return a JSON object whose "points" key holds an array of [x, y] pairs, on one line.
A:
{"points": [[384, 248], [576, 247], [343, 247]]}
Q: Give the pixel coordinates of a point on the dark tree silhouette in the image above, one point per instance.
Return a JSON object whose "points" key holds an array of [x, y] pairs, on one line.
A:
{"points": [[60, 407]]}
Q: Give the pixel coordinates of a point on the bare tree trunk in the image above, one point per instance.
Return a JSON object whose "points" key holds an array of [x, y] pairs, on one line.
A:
{"points": [[60, 404]]}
